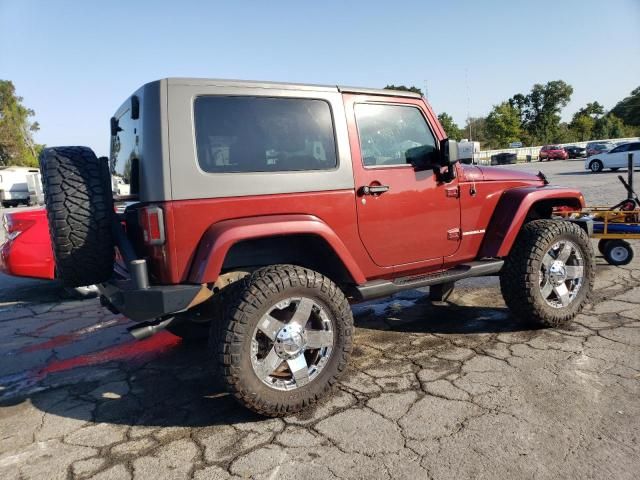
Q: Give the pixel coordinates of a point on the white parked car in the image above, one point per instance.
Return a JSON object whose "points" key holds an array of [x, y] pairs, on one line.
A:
{"points": [[614, 159]]}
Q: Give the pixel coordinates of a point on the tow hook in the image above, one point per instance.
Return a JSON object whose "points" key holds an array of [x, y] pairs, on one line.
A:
{"points": [[147, 329]]}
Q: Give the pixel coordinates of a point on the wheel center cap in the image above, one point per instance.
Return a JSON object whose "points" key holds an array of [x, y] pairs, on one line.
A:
{"points": [[289, 341], [557, 272]]}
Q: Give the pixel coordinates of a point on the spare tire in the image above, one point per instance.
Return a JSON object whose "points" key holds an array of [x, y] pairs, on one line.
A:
{"points": [[77, 193]]}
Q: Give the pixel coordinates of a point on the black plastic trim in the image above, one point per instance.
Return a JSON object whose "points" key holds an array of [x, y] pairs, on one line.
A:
{"points": [[148, 303]]}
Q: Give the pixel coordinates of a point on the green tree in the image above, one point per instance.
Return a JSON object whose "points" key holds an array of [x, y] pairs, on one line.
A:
{"points": [[628, 109], [582, 127], [610, 126], [539, 110], [452, 130], [592, 109], [584, 121], [404, 88], [503, 125], [475, 129], [16, 129]]}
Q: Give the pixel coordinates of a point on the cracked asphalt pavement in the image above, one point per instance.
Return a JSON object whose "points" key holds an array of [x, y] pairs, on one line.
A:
{"points": [[454, 390]]}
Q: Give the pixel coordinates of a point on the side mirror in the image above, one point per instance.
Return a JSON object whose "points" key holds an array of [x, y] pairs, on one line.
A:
{"points": [[448, 152], [427, 157], [424, 157]]}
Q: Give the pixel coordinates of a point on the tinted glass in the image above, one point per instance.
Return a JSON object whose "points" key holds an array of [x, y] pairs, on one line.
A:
{"points": [[124, 146], [621, 148], [635, 147], [260, 134], [388, 131]]}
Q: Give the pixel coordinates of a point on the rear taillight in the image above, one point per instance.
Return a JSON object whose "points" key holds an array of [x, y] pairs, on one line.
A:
{"points": [[152, 223], [15, 226]]}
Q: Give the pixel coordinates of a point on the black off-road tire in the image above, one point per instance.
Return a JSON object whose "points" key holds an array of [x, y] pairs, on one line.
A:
{"points": [[618, 252], [250, 299], [520, 276], [77, 192]]}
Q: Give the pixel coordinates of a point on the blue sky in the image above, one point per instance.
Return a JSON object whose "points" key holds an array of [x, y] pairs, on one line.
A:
{"points": [[74, 62]]}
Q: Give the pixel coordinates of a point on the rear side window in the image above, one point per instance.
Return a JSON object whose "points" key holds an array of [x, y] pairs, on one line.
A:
{"points": [[621, 148], [388, 131], [263, 134]]}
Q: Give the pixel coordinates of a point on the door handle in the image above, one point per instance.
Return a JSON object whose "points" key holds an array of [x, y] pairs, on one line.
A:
{"points": [[373, 189]]}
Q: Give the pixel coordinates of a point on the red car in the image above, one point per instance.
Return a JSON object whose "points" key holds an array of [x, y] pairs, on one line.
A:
{"points": [[27, 248], [552, 152]]}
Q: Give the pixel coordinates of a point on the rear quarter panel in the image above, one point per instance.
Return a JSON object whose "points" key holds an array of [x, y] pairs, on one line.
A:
{"points": [[190, 220]]}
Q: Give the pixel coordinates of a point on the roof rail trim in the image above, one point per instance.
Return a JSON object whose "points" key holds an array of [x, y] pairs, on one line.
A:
{"points": [[378, 91]]}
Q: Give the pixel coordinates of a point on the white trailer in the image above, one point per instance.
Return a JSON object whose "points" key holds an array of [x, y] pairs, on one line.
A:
{"points": [[14, 188], [467, 150]]}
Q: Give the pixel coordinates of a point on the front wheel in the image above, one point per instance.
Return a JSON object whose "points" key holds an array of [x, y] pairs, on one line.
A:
{"points": [[596, 166], [287, 337], [549, 273]]}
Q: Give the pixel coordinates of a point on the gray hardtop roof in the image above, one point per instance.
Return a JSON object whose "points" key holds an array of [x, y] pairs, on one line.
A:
{"points": [[288, 86]]}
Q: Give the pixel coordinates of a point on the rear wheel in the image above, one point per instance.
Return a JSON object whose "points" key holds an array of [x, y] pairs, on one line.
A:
{"points": [[287, 337], [549, 273], [77, 192], [596, 166], [618, 252]]}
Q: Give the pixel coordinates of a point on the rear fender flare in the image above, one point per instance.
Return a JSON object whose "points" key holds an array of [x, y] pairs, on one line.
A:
{"points": [[512, 210], [220, 237]]}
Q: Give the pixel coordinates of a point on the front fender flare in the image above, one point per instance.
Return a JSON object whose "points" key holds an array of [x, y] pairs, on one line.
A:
{"points": [[511, 212], [221, 236]]}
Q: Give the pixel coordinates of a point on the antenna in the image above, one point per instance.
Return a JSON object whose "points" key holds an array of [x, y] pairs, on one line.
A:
{"points": [[426, 90], [466, 81]]}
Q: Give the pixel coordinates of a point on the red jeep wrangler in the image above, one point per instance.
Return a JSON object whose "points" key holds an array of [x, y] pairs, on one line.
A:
{"points": [[263, 210]]}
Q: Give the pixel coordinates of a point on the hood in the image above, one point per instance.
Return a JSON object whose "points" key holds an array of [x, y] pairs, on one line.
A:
{"points": [[497, 174]]}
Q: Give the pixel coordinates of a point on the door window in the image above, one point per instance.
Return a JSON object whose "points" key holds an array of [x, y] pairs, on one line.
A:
{"points": [[387, 131]]}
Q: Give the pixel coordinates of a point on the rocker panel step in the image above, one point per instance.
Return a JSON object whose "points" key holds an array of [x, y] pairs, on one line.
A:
{"points": [[384, 288]]}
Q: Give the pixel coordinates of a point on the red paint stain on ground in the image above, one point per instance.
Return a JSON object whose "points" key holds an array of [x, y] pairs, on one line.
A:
{"points": [[158, 343], [58, 341], [61, 340]]}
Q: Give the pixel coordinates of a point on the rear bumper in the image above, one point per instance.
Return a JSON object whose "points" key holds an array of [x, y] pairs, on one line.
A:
{"points": [[140, 304], [130, 292]]}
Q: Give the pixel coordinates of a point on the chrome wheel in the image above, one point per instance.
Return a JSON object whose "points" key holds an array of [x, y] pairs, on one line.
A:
{"points": [[292, 343], [561, 274]]}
